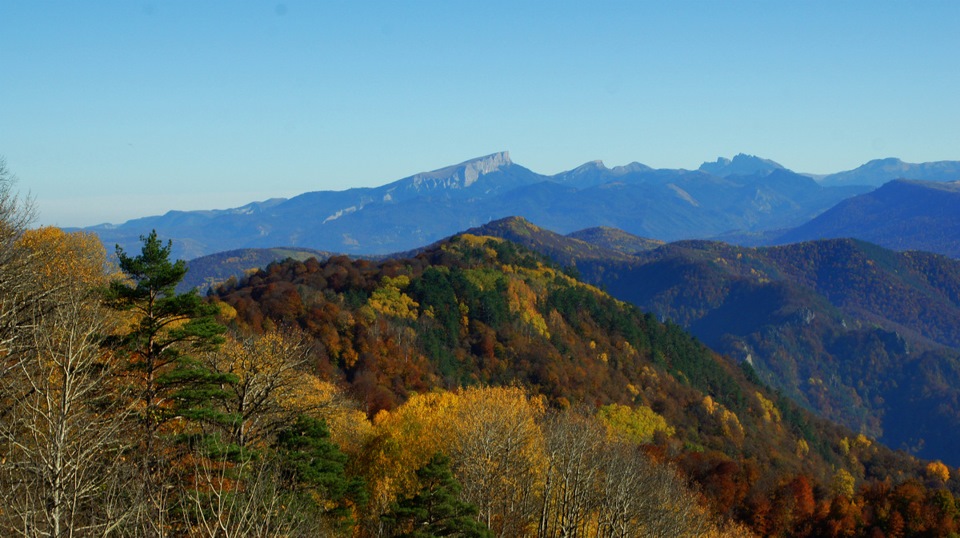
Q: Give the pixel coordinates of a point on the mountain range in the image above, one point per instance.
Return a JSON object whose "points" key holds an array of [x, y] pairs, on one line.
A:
{"points": [[750, 199]]}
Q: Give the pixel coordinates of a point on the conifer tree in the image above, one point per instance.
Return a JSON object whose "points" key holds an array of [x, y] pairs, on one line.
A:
{"points": [[167, 326], [314, 468], [436, 510], [171, 386]]}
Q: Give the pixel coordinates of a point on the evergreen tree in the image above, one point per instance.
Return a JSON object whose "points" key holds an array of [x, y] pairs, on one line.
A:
{"points": [[174, 393], [167, 327], [314, 469], [436, 510]]}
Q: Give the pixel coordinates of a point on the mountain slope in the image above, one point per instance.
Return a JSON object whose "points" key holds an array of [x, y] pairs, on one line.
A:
{"points": [[849, 329], [564, 250], [372, 220], [615, 239], [214, 269], [749, 195], [480, 310], [880, 171], [901, 215]]}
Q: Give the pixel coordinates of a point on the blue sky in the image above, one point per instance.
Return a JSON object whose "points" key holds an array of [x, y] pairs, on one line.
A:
{"points": [[113, 110]]}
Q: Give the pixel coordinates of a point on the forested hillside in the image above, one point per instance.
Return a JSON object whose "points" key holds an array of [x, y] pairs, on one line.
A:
{"points": [[481, 311], [862, 335], [214, 269], [865, 336], [900, 215], [472, 390]]}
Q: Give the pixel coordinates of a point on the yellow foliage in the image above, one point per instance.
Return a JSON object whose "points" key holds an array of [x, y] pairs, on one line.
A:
{"points": [[843, 483], [449, 422], [770, 411], [75, 258], [803, 448], [389, 299], [709, 404], [478, 240], [273, 388], [730, 423], [227, 312], [636, 425], [406, 439], [523, 300], [937, 470]]}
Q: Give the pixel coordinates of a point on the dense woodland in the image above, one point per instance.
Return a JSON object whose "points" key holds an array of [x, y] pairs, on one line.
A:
{"points": [[472, 390], [861, 335]]}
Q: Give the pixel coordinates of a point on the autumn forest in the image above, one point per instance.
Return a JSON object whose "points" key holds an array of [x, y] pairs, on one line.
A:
{"points": [[472, 389]]}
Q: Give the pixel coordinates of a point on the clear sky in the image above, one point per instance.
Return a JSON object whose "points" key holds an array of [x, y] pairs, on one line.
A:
{"points": [[111, 110]]}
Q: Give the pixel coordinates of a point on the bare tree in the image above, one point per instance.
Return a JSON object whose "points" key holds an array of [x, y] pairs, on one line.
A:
{"points": [[228, 499], [574, 448], [270, 371], [18, 295], [65, 441], [499, 458], [645, 498], [600, 486], [63, 418]]}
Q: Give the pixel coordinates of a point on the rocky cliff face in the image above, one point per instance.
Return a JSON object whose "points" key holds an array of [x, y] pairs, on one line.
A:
{"points": [[462, 175]]}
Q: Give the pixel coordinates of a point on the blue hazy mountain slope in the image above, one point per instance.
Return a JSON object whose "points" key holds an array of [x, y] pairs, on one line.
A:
{"points": [[879, 171], [746, 194], [901, 215]]}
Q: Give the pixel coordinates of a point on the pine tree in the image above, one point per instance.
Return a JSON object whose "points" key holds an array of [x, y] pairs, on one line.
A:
{"points": [[314, 468], [436, 510], [167, 327], [174, 392]]}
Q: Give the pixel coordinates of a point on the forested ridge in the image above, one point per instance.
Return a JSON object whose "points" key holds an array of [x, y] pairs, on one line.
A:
{"points": [[483, 311], [859, 334], [863, 335], [472, 390]]}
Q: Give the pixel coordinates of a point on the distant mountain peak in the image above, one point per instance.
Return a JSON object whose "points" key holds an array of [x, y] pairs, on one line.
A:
{"points": [[464, 174], [880, 171], [741, 165], [589, 167]]}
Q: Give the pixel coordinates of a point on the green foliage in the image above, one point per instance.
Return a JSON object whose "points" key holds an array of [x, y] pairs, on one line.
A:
{"points": [[314, 469], [436, 509], [167, 327]]}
